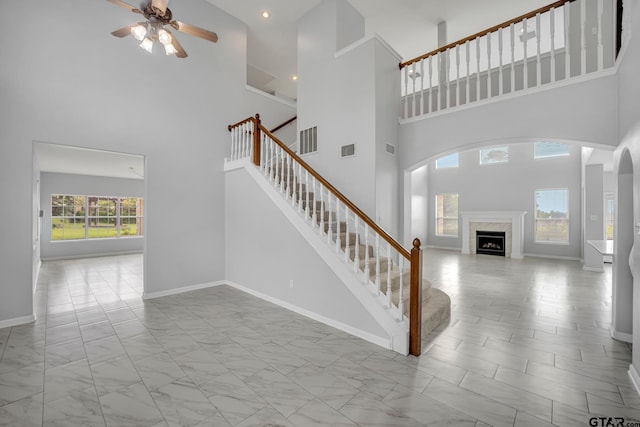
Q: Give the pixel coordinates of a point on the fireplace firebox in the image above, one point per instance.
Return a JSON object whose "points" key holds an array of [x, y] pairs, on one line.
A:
{"points": [[490, 242]]}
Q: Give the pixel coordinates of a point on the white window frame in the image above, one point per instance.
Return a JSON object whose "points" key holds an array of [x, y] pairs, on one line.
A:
{"points": [[496, 162], [443, 218], [457, 165], [536, 219], [88, 217], [550, 156]]}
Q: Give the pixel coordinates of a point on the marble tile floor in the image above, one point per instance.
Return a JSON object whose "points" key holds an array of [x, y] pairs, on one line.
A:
{"points": [[527, 345]]}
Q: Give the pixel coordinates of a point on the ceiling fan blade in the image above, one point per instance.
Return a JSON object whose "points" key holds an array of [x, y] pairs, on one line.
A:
{"points": [[125, 5], [195, 31], [123, 32], [180, 52]]}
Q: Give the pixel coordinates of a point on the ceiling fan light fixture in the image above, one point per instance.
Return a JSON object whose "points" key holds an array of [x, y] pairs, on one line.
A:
{"points": [[169, 49], [164, 37], [139, 32], [147, 44]]}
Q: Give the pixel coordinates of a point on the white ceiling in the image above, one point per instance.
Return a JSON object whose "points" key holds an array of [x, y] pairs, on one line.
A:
{"points": [[82, 161], [409, 26]]}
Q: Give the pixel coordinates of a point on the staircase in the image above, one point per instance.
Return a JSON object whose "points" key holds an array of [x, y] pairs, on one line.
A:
{"points": [[390, 274]]}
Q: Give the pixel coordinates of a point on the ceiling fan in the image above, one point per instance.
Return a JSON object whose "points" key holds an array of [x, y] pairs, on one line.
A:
{"points": [[158, 15]]}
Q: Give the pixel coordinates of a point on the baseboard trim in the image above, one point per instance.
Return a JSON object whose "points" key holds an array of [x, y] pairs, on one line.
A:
{"points": [[444, 248], [176, 291], [382, 342], [565, 258], [620, 336], [635, 378], [17, 321], [82, 256]]}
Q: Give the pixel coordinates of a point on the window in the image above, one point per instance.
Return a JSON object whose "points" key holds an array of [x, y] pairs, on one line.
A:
{"points": [[494, 155], [552, 216], [309, 140], [450, 161], [609, 212], [447, 215], [550, 149], [95, 217]]}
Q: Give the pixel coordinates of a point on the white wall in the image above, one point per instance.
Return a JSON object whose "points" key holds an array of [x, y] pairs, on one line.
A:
{"points": [[629, 130], [509, 186], [351, 95], [583, 112], [59, 183], [86, 88], [269, 253]]}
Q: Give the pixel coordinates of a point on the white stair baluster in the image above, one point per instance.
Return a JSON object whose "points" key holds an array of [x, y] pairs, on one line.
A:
{"points": [[422, 86], [440, 80], [513, 57], [356, 257], [389, 265], [401, 289], [329, 222], [314, 213], [600, 15], [447, 69], [413, 95], [488, 65], [538, 57], [468, 75], [478, 70], [552, 35], [525, 65], [244, 137], [583, 37], [430, 99], [405, 72], [278, 173], [367, 273], [457, 75], [501, 64], [338, 227], [346, 237], [306, 192], [301, 189], [567, 38], [377, 250], [322, 208]]}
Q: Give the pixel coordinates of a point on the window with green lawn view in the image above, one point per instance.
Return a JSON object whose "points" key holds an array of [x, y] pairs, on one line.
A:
{"points": [[95, 217], [447, 214], [552, 216]]}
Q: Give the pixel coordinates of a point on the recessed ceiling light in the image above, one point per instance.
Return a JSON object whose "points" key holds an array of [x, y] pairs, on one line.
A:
{"points": [[294, 77], [266, 14]]}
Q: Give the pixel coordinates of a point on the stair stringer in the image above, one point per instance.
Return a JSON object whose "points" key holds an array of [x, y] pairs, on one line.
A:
{"points": [[397, 331]]}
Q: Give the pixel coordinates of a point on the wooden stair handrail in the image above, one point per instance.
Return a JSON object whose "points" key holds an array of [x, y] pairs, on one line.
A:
{"points": [[487, 31], [256, 160], [281, 125]]}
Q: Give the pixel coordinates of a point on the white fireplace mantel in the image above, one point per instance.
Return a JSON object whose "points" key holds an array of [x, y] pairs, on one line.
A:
{"points": [[515, 218]]}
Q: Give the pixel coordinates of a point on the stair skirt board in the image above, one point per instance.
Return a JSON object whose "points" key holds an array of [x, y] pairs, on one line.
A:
{"points": [[374, 339]]}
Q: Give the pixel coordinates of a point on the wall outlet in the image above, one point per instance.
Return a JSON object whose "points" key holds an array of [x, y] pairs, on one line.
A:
{"points": [[291, 283], [594, 217], [637, 227]]}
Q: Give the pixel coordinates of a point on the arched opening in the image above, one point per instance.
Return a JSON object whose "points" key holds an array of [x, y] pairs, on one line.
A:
{"points": [[622, 321]]}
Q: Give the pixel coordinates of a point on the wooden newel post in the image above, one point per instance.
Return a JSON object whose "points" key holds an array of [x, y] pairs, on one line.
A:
{"points": [[256, 141], [415, 304]]}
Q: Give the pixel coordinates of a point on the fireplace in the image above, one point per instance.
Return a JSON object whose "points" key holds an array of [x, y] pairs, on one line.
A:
{"points": [[490, 242]]}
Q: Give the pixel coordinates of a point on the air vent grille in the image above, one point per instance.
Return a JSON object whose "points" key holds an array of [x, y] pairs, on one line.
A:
{"points": [[309, 140], [348, 150]]}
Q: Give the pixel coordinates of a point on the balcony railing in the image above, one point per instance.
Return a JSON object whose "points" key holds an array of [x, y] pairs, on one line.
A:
{"points": [[566, 39]]}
